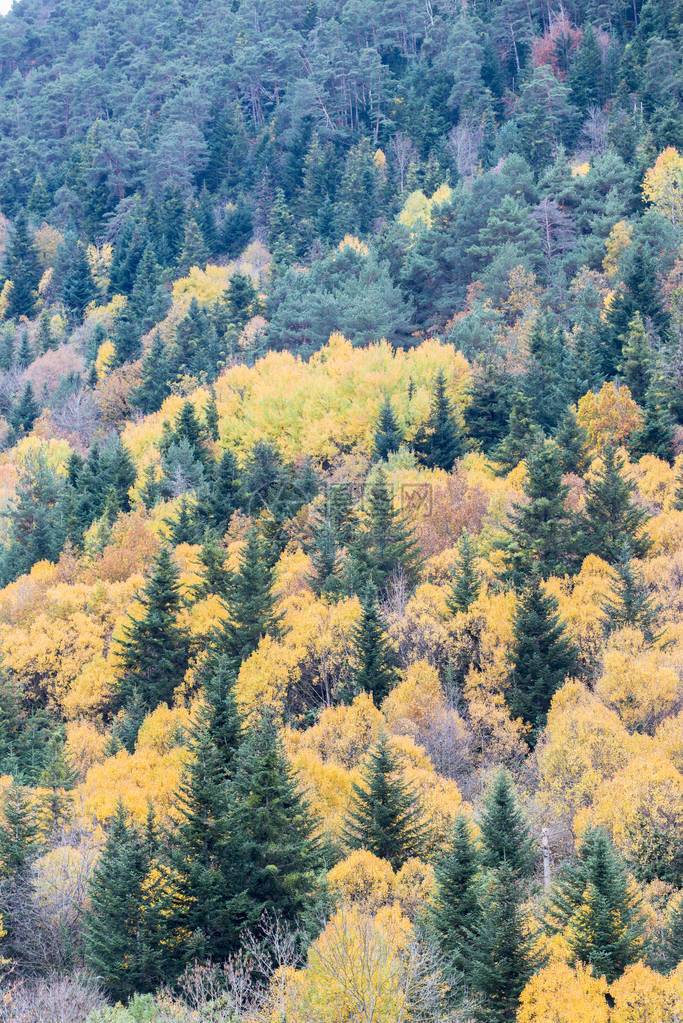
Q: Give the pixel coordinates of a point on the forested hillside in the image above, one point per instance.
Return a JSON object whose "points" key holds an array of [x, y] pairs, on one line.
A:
{"points": [[341, 512]]}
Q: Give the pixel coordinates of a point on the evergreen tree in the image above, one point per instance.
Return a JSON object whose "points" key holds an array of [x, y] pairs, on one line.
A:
{"points": [[126, 337], [45, 340], [26, 410], [153, 388], [37, 527], [59, 778], [388, 434], [637, 359], [521, 437], [19, 832], [671, 952], [149, 299], [630, 603], [455, 913], [465, 586], [678, 493], [24, 355], [572, 441], [385, 545], [187, 427], [611, 519], [488, 412], [593, 904], [216, 578], [223, 492], [122, 939], [385, 816], [240, 298], [211, 416], [281, 236], [78, 289], [641, 294], [154, 649], [186, 526], [440, 443], [506, 840], [39, 202], [22, 268], [546, 379], [541, 655], [250, 605], [194, 251], [376, 663], [655, 436]]}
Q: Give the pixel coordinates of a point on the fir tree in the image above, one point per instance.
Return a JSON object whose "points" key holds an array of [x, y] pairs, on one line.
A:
{"points": [[240, 298], [24, 355], [154, 649], [39, 202], [388, 434], [250, 605], [488, 411], [153, 388], [655, 436], [593, 904], [385, 816], [630, 603], [223, 492], [281, 236], [19, 832], [572, 441], [194, 251], [59, 778], [216, 578], [466, 584], [541, 655], [678, 492], [376, 664], [122, 940], [144, 297], [188, 427], [211, 416], [612, 520], [440, 442], [78, 289], [454, 915], [22, 268], [126, 337], [521, 437], [546, 379], [385, 546], [636, 359], [26, 410], [45, 340], [506, 840], [185, 527]]}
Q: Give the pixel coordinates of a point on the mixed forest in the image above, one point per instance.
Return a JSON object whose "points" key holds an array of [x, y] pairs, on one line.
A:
{"points": [[341, 511]]}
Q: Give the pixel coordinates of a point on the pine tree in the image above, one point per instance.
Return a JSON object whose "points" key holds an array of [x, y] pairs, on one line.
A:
{"points": [[281, 236], [546, 379], [216, 578], [465, 587], [26, 410], [58, 777], [224, 492], [538, 536], [154, 649], [488, 412], [250, 606], [611, 520], [126, 337], [385, 816], [541, 656], [388, 434], [186, 526], [25, 354], [454, 915], [22, 268], [385, 546], [506, 840], [153, 388], [439, 443], [211, 418], [376, 663], [19, 832], [593, 904], [240, 298], [45, 340], [655, 435], [78, 289], [501, 954], [521, 437], [194, 251], [637, 359], [630, 603], [572, 441], [122, 939], [39, 202], [188, 427]]}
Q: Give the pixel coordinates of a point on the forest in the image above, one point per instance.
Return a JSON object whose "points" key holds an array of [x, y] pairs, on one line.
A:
{"points": [[341, 511]]}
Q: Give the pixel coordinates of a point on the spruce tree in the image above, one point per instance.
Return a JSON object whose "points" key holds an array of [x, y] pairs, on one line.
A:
{"points": [[58, 777], [546, 379], [464, 588], [671, 951], [22, 268], [439, 443], [26, 410], [250, 605], [506, 840], [211, 416], [216, 578], [39, 202], [194, 251], [488, 411], [678, 492], [455, 913], [122, 939], [385, 816], [655, 435], [637, 359], [20, 841], [572, 442], [78, 289], [593, 904], [541, 656], [154, 650], [45, 340], [223, 492], [376, 663], [611, 519], [388, 434], [153, 388], [630, 603], [186, 527], [521, 437], [385, 545], [240, 298], [126, 337]]}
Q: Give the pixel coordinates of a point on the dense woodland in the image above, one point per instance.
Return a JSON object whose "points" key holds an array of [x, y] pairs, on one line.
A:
{"points": [[341, 511]]}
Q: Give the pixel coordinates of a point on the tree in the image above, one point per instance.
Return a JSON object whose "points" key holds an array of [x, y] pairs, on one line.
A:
{"points": [[630, 603], [36, 518], [388, 434], [611, 519], [19, 832], [122, 946], [385, 815], [678, 493], [439, 443], [211, 418], [154, 648], [506, 840], [22, 268], [488, 411], [593, 903], [26, 410], [376, 664], [154, 385], [572, 441], [223, 491], [637, 359], [541, 656], [465, 586], [78, 289], [672, 944], [455, 913], [385, 545], [194, 251], [240, 298], [216, 578], [522, 435], [58, 777], [250, 605], [655, 435]]}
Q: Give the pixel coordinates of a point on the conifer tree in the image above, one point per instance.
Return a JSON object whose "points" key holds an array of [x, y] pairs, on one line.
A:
{"points": [[154, 649], [376, 668], [240, 298], [126, 337], [466, 584], [655, 435], [22, 268], [19, 832], [385, 546], [506, 840], [187, 427], [281, 236], [488, 411], [78, 289], [250, 605], [388, 434], [637, 359], [546, 379], [153, 388], [541, 655], [216, 578], [594, 905], [521, 437], [678, 493], [194, 251], [611, 519], [45, 340], [572, 441], [671, 952], [385, 816], [122, 927], [223, 492], [26, 410], [211, 416], [630, 603], [439, 443], [25, 354], [59, 778], [455, 913], [185, 527], [39, 202]]}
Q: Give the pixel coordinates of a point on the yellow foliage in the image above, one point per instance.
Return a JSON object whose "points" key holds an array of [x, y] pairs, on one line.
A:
{"points": [[327, 786], [616, 244], [609, 416], [55, 452], [414, 886], [669, 739], [417, 208], [106, 356], [640, 682], [99, 258], [349, 241], [380, 159], [363, 879], [560, 994], [47, 241], [204, 285], [579, 170], [643, 996], [5, 295], [663, 185], [415, 703], [580, 605], [344, 733], [85, 746], [666, 532]]}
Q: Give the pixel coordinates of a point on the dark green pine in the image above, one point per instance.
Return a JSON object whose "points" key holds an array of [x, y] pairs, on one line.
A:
{"points": [[385, 816], [79, 288], [655, 436], [211, 416], [59, 778], [439, 443], [26, 410], [388, 434], [22, 267], [466, 583], [385, 547], [541, 656], [20, 841], [572, 441], [216, 578], [488, 411], [630, 603], [154, 384], [186, 526], [224, 492], [505, 836], [611, 518], [671, 951], [546, 383], [521, 437], [188, 427], [593, 902], [637, 359], [455, 913], [240, 298], [375, 671], [250, 604]]}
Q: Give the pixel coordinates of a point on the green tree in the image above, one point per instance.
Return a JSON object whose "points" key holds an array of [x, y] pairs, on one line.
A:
{"points": [[22, 268], [439, 443], [521, 437], [385, 816], [194, 251], [572, 441], [505, 835], [58, 777], [250, 605], [223, 491], [466, 584], [488, 412], [455, 913], [637, 359], [39, 202], [216, 578], [541, 656], [388, 434], [240, 298], [678, 492], [26, 410], [376, 661], [671, 952], [655, 436], [78, 289], [611, 519], [593, 903], [211, 419], [20, 841], [37, 527], [281, 236], [385, 545], [630, 603], [154, 387]]}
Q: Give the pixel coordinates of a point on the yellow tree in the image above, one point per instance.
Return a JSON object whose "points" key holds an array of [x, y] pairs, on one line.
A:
{"points": [[663, 185]]}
